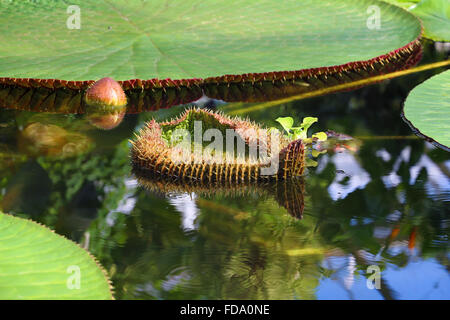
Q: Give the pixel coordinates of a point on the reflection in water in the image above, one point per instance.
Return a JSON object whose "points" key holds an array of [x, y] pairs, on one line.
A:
{"points": [[28, 191], [381, 200], [105, 118], [75, 217], [40, 139], [349, 171], [234, 244], [228, 250], [184, 240], [105, 104], [287, 193]]}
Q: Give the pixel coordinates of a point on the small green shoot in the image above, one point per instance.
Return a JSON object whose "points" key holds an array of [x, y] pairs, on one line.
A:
{"points": [[300, 132]]}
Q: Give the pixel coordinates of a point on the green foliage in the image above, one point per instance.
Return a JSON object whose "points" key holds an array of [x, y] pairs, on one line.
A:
{"points": [[36, 263], [434, 14], [247, 247], [300, 132], [188, 125], [156, 39], [243, 249], [405, 4], [69, 176], [427, 108]]}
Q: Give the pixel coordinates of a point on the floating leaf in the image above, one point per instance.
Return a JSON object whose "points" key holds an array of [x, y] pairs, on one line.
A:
{"points": [[156, 39], [427, 109], [36, 263], [227, 49], [315, 153], [321, 136], [308, 122], [405, 4], [302, 131], [435, 15]]}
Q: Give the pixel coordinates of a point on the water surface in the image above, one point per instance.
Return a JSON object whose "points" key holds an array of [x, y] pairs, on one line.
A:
{"points": [[380, 200]]}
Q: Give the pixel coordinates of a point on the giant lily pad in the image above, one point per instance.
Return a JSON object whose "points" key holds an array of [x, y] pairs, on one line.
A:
{"points": [[405, 4], [204, 43], [427, 109], [435, 16], [36, 263]]}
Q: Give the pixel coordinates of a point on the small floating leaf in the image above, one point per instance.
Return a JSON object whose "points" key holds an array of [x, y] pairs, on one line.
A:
{"points": [[36, 263], [427, 109], [321, 136], [302, 131], [308, 122], [315, 153], [286, 123]]}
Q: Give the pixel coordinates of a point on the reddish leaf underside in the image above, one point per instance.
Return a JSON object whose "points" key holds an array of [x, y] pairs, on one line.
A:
{"points": [[61, 96]]}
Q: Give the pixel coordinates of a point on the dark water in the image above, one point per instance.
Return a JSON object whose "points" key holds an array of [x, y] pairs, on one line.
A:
{"points": [[380, 200]]}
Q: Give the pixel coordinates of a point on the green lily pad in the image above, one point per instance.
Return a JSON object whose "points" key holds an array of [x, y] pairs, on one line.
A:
{"points": [[36, 263], [181, 39], [427, 109], [405, 4], [435, 15]]}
